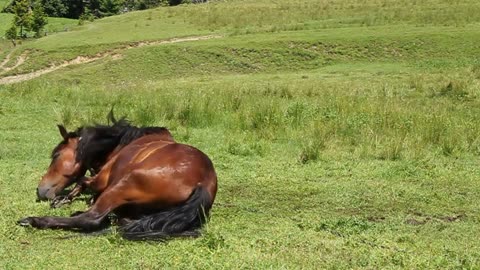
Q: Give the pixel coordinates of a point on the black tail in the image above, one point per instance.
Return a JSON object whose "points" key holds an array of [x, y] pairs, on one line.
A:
{"points": [[183, 220]]}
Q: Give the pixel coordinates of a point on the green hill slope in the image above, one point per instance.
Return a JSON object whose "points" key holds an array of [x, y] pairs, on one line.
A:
{"points": [[319, 19], [4, 3]]}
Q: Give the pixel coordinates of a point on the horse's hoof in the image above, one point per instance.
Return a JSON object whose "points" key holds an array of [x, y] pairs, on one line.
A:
{"points": [[25, 222], [59, 201], [91, 201]]}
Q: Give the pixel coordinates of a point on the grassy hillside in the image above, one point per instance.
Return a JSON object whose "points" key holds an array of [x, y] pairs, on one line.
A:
{"points": [[247, 17], [55, 25], [6, 20], [344, 133], [4, 3]]}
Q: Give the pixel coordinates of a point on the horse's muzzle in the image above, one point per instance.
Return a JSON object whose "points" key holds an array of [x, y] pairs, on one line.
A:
{"points": [[45, 192]]}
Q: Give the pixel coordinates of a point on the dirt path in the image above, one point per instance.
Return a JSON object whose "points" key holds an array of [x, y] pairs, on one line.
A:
{"points": [[115, 54], [20, 60], [5, 61]]}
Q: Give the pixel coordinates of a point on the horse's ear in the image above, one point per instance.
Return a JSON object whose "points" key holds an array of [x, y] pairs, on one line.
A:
{"points": [[63, 131], [111, 118]]}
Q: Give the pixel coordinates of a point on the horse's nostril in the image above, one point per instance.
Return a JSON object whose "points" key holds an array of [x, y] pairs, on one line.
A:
{"points": [[42, 192]]}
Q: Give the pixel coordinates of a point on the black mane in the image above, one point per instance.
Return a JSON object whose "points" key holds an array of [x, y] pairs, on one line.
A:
{"points": [[97, 142]]}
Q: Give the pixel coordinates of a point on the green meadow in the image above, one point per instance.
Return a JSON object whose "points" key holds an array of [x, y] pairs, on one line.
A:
{"points": [[345, 133]]}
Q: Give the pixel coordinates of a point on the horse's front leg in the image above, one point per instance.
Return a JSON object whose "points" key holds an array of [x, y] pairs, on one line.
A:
{"points": [[59, 201], [90, 220], [86, 221]]}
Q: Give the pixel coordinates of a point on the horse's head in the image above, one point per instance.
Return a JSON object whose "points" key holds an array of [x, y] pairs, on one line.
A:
{"points": [[63, 169], [88, 148]]}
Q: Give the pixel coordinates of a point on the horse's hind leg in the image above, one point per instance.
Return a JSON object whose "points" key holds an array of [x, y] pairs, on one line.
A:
{"points": [[89, 220]]}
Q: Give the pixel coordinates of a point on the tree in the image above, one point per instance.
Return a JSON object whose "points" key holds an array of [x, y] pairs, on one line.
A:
{"points": [[86, 16], [23, 15], [110, 7], [39, 20], [11, 34], [55, 8]]}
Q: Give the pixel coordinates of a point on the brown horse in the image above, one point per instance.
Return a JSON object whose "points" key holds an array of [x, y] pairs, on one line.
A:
{"points": [[156, 187]]}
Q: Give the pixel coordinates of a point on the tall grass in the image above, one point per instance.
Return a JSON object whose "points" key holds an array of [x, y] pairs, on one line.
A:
{"points": [[383, 121]]}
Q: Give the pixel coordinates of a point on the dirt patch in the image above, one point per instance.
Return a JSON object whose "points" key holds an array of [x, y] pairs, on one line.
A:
{"points": [[20, 60], [416, 222], [114, 54], [451, 218], [376, 218], [117, 56], [5, 61], [423, 219]]}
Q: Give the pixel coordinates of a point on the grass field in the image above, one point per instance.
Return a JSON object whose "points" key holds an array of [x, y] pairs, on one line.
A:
{"points": [[345, 134]]}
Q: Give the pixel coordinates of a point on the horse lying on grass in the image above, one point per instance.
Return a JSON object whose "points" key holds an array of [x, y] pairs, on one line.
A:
{"points": [[156, 187]]}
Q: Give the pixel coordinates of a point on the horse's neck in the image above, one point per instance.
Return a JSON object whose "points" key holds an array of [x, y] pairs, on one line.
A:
{"points": [[114, 152]]}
